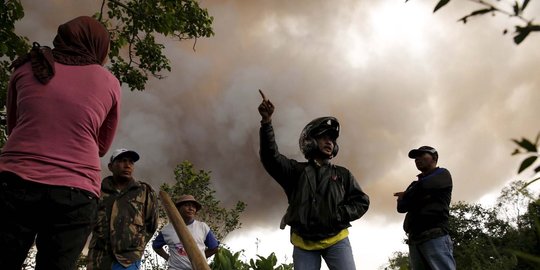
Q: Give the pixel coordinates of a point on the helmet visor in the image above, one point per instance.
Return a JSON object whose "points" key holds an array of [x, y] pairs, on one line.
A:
{"points": [[329, 127]]}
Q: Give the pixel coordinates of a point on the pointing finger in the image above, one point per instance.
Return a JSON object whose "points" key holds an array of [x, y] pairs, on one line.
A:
{"points": [[262, 95]]}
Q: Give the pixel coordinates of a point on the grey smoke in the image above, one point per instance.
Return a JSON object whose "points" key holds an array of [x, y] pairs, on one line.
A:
{"points": [[465, 90]]}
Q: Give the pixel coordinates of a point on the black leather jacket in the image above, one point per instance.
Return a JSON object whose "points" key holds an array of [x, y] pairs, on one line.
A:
{"points": [[323, 200]]}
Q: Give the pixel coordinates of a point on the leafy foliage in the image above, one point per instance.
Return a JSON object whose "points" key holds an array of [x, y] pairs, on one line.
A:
{"points": [[12, 45], [478, 234], [197, 183], [398, 261], [529, 148], [226, 260], [268, 263], [515, 9], [135, 54]]}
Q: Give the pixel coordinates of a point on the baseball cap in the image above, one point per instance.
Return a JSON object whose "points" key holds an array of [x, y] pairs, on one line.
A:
{"points": [[423, 149], [124, 152], [188, 198]]}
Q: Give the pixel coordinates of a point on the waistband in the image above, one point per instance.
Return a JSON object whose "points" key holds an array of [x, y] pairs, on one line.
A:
{"points": [[13, 180], [418, 238]]}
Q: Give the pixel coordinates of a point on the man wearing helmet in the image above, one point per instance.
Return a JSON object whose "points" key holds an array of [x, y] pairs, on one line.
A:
{"points": [[323, 198]]}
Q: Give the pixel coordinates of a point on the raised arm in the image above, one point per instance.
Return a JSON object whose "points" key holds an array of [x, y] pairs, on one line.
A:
{"points": [[266, 109]]}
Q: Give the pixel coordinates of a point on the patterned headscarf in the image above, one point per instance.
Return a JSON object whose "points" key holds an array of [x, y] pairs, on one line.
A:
{"points": [[79, 42]]}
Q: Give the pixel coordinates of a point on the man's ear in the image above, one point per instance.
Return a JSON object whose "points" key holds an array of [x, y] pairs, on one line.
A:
{"points": [[110, 166]]}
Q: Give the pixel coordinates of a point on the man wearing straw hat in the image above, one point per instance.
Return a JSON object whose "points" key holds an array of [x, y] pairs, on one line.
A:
{"points": [[177, 256]]}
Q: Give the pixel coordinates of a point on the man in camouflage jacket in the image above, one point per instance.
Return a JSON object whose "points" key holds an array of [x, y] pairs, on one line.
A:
{"points": [[127, 217]]}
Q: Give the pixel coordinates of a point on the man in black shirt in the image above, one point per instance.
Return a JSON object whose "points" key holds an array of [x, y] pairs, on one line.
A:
{"points": [[426, 202]]}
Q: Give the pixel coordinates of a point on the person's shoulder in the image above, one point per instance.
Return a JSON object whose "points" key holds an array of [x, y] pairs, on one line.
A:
{"points": [[342, 169], [109, 77], [443, 170], [168, 226], [26, 67], [302, 164], [439, 173], [21, 71], [202, 224], [145, 186], [143, 183], [97, 68], [106, 185], [167, 229], [94, 71], [105, 75]]}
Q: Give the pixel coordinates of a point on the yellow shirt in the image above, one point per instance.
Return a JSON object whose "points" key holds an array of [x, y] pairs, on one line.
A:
{"points": [[298, 241]]}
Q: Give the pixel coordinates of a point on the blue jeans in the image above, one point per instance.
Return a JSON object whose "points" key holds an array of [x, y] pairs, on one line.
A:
{"points": [[59, 220], [434, 254], [337, 257]]}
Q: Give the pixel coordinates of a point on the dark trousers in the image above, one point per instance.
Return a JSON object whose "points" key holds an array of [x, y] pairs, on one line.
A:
{"points": [[58, 219]]}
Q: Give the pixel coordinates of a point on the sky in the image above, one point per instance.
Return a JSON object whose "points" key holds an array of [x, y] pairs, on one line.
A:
{"points": [[396, 76]]}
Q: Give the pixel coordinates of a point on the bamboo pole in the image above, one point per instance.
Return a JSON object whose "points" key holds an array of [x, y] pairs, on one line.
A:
{"points": [[197, 259]]}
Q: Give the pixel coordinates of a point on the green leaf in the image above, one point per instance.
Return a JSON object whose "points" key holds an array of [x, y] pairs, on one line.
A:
{"points": [[516, 8], [3, 49], [477, 13], [522, 33], [482, 11], [441, 4], [526, 144], [526, 163]]}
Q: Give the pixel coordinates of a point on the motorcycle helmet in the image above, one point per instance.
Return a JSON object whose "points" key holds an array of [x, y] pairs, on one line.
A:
{"points": [[317, 127]]}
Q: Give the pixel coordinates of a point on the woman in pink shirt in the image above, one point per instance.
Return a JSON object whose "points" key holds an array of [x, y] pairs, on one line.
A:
{"points": [[62, 114]]}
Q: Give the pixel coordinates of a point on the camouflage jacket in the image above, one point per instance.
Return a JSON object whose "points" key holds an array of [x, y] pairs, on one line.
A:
{"points": [[126, 221]]}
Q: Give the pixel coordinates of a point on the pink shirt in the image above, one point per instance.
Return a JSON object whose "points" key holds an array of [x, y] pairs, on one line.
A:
{"points": [[58, 131]]}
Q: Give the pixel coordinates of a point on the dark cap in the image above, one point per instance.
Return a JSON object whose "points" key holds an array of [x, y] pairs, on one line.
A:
{"points": [[124, 152], [188, 198], [423, 149]]}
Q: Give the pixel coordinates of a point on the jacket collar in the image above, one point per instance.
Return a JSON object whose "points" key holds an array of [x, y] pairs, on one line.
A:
{"points": [[107, 185]]}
